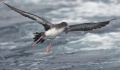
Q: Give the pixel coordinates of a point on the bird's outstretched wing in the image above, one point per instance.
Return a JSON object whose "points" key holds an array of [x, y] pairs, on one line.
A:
{"points": [[87, 26], [40, 20]]}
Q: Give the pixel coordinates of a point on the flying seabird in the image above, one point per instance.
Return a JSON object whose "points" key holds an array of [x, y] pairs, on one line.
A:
{"points": [[53, 30]]}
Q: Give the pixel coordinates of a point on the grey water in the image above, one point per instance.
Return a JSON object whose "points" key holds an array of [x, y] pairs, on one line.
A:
{"points": [[91, 50]]}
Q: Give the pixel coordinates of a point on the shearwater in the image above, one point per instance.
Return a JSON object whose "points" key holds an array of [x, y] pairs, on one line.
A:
{"points": [[53, 30]]}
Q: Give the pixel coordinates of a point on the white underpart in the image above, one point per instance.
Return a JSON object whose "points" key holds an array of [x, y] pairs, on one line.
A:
{"points": [[52, 33]]}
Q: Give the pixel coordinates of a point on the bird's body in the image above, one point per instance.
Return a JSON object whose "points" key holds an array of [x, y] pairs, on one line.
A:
{"points": [[53, 30]]}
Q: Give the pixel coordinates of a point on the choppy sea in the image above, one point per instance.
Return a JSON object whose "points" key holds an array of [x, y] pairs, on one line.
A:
{"points": [[94, 50]]}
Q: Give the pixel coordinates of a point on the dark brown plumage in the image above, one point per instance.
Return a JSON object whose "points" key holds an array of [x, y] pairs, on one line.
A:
{"points": [[47, 25], [87, 26], [60, 25]]}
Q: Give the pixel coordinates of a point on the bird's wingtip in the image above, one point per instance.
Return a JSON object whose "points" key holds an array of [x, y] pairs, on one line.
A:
{"points": [[4, 3], [7, 5], [112, 19]]}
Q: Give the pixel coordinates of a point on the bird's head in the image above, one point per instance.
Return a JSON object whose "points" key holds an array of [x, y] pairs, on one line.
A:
{"points": [[64, 24]]}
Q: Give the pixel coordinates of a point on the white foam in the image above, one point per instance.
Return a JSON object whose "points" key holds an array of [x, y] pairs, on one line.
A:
{"points": [[81, 7], [107, 41], [86, 9], [90, 41], [28, 1], [7, 45], [91, 9]]}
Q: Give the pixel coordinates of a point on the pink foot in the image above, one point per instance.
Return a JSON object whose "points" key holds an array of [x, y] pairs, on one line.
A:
{"points": [[47, 49], [33, 44]]}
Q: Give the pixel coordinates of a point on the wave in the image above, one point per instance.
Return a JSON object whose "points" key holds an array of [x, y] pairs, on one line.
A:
{"points": [[93, 42]]}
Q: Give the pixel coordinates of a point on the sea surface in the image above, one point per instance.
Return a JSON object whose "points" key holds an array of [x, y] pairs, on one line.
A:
{"points": [[91, 50]]}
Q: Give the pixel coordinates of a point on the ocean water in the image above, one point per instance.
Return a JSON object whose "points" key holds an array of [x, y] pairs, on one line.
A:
{"points": [[91, 50]]}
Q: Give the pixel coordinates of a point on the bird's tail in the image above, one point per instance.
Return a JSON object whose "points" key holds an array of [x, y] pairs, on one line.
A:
{"points": [[37, 36]]}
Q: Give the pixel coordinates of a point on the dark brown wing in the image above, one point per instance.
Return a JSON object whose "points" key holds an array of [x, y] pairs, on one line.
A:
{"points": [[40, 20], [87, 26]]}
